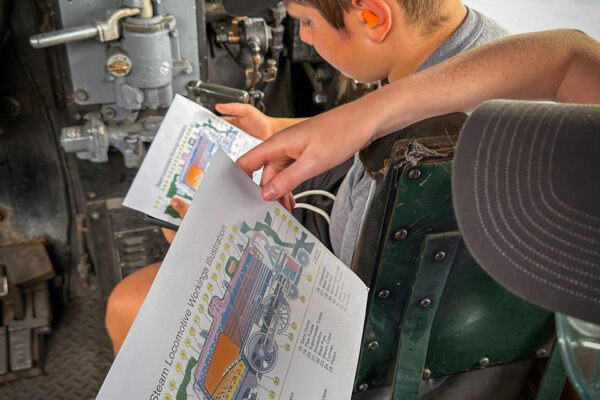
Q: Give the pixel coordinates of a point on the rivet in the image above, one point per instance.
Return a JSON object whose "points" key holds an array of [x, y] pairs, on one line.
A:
{"points": [[91, 195], [81, 95], [401, 234], [426, 373], [425, 303], [541, 353], [439, 256], [373, 345], [414, 173], [363, 387], [95, 215], [383, 294], [484, 362]]}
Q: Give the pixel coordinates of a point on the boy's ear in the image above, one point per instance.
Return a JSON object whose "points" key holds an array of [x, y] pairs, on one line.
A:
{"points": [[376, 16]]}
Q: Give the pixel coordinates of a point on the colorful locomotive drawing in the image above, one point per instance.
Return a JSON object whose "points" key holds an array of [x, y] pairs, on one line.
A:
{"points": [[196, 161], [240, 346]]}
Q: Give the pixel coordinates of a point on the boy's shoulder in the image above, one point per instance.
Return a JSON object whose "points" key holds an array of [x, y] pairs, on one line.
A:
{"points": [[475, 30]]}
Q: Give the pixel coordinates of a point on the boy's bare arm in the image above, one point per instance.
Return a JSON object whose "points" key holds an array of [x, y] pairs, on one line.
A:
{"points": [[559, 65]]}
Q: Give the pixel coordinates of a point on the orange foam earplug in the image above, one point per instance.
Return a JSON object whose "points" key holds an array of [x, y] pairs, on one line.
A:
{"points": [[371, 19]]}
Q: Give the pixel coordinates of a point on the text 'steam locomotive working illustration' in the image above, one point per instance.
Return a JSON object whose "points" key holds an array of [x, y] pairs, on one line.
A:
{"points": [[241, 346]]}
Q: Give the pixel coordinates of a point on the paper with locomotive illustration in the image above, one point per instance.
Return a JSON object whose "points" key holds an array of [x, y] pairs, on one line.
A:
{"points": [[179, 156], [247, 305]]}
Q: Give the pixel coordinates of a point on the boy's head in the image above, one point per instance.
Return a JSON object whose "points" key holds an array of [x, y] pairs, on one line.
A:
{"points": [[427, 14], [369, 40]]}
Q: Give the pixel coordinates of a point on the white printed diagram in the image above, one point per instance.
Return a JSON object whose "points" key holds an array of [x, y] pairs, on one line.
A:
{"points": [[193, 157], [246, 350]]}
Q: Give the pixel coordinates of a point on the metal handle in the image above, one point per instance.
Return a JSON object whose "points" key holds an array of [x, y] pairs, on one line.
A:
{"points": [[63, 36], [104, 31], [218, 92]]}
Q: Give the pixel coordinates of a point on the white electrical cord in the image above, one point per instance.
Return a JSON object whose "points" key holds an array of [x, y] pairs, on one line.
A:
{"points": [[314, 192], [314, 209]]}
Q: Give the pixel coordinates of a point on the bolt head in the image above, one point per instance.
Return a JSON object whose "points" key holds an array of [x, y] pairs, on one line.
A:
{"points": [[383, 294], [484, 362], [425, 303], [109, 113], [541, 353], [81, 95], [400, 234], [439, 256], [414, 173], [426, 373], [95, 215], [373, 345], [363, 387]]}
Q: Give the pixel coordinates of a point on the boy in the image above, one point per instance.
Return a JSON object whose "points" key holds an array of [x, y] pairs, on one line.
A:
{"points": [[368, 40]]}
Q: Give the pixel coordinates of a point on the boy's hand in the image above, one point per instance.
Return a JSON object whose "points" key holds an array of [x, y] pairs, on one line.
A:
{"points": [[249, 119], [306, 149], [182, 208]]}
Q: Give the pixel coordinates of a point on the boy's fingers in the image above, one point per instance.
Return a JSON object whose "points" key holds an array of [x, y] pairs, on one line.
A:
{"points": [[257, 157], [284, 181], [234, 109], [180, 206], [169, 234]]}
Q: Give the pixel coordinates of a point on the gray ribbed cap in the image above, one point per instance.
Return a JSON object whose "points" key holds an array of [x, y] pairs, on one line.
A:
{"points": [[526, 191]]}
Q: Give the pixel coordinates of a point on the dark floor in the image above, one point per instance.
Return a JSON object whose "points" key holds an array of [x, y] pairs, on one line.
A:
{"points": [[78, 356]]}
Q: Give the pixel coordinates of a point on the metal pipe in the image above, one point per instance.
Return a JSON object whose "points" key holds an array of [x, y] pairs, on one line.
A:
{"points": [[147, 11], [219, 92], [63, 36]]}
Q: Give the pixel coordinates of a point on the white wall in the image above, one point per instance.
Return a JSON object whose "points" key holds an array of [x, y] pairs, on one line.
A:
{"points": [[520, 16]]}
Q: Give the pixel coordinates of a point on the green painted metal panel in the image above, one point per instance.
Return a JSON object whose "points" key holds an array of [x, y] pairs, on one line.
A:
{"points": [[436, 261], [476, 318]]}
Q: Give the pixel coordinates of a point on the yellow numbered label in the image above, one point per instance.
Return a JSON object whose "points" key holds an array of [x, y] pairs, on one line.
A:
{"points": [[277, 212], [276, 381], [230, 237], [287, 347], [296, 229], [201, 308], [219, 267], [196, 319], [290, 223], [272, 394], [234, 228], [291, 336], [179, 367], [168, 396], [209, 287], [303, 299], [188, 342], [183, 354], [309, 278], [205, 297], [283, 218], [226, 247], [214, 277], [172, 385], [193, 331], [223, 257], [294, 326]]}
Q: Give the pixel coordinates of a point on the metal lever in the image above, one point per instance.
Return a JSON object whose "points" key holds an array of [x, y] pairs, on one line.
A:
{"points": [[218, 92], [104, 31]]}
